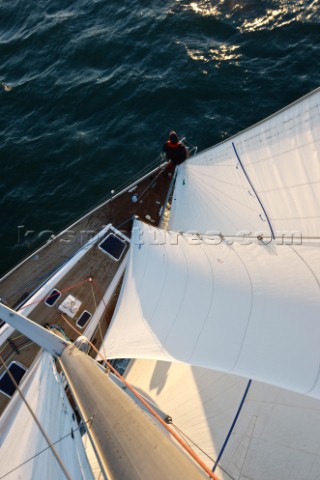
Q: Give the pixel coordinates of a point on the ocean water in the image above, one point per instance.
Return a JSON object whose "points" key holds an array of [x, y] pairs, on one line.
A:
{"points": [[91, 89]]}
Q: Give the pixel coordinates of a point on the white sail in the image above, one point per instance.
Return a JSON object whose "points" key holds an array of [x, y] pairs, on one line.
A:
{"points": [[248, 309], [275, 437], [24, 453], [266, 178]]}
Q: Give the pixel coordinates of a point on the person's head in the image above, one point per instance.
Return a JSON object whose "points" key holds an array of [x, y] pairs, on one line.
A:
{"points": [[173, 137]]}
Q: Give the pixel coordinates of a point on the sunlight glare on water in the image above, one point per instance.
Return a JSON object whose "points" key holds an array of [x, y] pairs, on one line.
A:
{"points": [[217, 54], [250, 15], [90, 91]]}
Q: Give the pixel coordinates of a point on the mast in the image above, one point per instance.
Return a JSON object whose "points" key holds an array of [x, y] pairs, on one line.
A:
{"points": [[128, 444], [40, 411]]}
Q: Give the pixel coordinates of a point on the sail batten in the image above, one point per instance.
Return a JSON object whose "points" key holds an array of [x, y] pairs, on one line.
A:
{"points": [[230, 307]]}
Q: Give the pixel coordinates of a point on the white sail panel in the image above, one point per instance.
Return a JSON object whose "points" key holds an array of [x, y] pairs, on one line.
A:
{"points": [[275, 436], [201, 402], [24, 453], [92, 458], [212, 194], [226, 307], [266, 178]]}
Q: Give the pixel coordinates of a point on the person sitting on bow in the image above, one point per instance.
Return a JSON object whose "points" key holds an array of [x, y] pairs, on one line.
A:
{"points": [[175, 151]]}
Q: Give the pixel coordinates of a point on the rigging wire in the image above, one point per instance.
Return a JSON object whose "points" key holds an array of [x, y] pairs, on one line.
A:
{"points": [[50, 445], [5, 344], [171, 430], [158, 171], [26, 284], [123, 223], [45, 449], [149, 185], [62, 291], [201, 450], [192, 442], [10, 355]]}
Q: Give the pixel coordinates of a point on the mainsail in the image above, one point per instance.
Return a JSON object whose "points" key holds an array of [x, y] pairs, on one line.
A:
{"points": [[276, 435], [24, 452]]}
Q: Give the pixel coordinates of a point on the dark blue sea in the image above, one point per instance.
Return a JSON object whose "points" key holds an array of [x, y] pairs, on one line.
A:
{"points": [[90, 90]]}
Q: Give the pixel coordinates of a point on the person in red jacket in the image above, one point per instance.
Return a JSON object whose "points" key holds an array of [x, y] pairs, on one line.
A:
{"points": [[175, 151]]}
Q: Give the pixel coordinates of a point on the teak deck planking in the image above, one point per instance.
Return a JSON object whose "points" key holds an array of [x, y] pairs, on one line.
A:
{"points": [[25, 279]]}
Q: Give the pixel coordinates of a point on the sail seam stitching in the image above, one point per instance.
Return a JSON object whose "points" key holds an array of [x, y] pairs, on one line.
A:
{"points": [[303, 260]]}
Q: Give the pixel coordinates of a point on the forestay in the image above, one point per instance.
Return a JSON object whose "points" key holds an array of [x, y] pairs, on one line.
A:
{"points": [[248, 309], [24, 453], [265, 179]]}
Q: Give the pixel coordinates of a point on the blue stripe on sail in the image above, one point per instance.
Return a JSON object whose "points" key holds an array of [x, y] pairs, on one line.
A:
{"points": [[225, 443]]}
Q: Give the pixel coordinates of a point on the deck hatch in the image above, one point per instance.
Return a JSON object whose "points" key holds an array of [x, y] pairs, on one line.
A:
{"points": [[83, 319], [7, 387], [113, 246], [52, 297]]}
